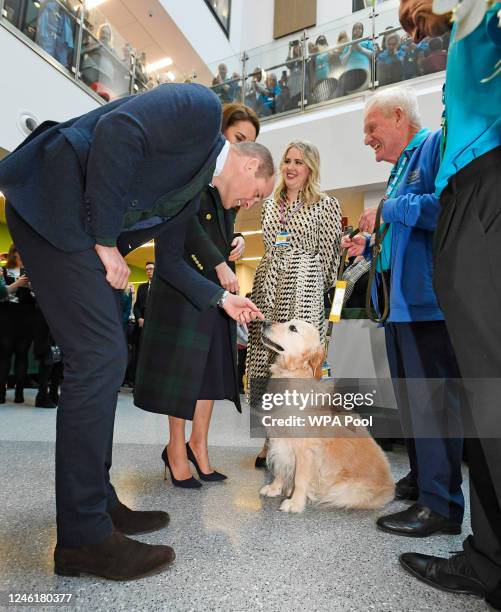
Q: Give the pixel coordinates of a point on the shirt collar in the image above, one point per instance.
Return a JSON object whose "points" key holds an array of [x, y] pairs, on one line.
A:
{"points": [[418, 139], [221, 159]]}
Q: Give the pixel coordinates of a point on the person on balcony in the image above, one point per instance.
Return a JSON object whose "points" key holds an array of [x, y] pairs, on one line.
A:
{"points": [[357, 61], [269, 97], [223, 86], [390, 61], [55, 32], [98, 63]]}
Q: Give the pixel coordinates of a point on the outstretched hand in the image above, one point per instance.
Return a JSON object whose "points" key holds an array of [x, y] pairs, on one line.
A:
{"points": [[242, 309], [355, 245]]}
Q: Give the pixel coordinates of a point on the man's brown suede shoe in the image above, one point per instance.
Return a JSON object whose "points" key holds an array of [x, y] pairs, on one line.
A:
{"points": [[132, 522], [117, 557]]}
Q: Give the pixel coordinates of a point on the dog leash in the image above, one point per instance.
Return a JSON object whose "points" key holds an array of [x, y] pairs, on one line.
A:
{"points": [[338, 298], [337, 301], [377, 248]]}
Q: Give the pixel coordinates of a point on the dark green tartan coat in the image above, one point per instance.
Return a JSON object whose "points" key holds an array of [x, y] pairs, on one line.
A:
{"points": [[176, 335]]}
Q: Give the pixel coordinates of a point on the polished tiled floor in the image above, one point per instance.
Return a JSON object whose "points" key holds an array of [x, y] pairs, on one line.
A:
{"points": [[235, 551]]}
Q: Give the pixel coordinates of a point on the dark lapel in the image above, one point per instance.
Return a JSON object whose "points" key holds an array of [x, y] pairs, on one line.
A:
{"points": [[229, 217], [220, 213]]}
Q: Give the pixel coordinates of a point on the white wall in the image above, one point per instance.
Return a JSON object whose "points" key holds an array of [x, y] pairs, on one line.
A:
{"points": [[251, 25], [198, 24], [373, 197], [338, 133], [258, 15], [29, 83]]}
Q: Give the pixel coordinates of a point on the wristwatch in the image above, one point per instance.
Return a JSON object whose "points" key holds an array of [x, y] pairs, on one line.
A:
{"points": [[222, 299]]}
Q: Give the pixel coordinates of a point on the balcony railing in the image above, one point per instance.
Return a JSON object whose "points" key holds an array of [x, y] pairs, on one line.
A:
{"points": [[365, 50], [80, 42], [362, 51]]}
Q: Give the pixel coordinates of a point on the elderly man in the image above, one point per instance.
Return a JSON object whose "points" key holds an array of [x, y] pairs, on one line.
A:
{"points": [[417, 342], [80, 195], [469, 231]]}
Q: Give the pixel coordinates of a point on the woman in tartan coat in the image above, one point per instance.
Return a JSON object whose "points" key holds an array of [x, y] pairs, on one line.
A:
{"points": [[189, 358]]}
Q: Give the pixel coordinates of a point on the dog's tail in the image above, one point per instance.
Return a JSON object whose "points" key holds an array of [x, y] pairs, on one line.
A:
{"points": [[358, 495]]}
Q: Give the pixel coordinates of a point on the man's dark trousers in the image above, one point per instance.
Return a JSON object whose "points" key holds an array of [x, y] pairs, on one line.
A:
{"points": [[467, 281], [419, 353], [84, 314]]}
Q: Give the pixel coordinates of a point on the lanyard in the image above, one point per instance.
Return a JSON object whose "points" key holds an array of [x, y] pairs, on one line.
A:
{"points": [[394, 182], [443, 124], [284, 219]]}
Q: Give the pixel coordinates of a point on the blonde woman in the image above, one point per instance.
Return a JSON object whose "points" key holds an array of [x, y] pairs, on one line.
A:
{"points": [[302, 236]]}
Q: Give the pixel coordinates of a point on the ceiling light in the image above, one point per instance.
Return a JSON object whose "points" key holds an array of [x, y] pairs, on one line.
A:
{"points": [[163, 63], [252, 233], [171, 76], [91, 4]]}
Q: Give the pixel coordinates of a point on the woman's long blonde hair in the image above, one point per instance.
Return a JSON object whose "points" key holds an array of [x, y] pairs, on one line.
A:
{"points": [[311, 191]]}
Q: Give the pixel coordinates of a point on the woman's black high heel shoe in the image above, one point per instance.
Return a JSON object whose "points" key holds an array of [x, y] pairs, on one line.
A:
{"points": [[212, 477], [187, 483]]}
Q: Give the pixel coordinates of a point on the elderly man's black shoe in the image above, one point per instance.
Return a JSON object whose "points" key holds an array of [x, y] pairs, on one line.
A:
{"points": [[132, 522], [417, 521], [117, 557], [454, 575], [407, 488]]}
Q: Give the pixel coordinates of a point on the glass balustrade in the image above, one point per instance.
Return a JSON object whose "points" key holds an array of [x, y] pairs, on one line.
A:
{"points": [[398, 58], [366, 49], [81, 41], [105, 58], [50, 24], [227, 80]]}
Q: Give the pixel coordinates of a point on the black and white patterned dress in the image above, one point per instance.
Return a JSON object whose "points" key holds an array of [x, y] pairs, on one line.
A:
{"points": [[290, 282]]}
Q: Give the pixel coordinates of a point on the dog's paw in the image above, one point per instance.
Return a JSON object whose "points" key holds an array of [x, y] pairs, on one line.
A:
{"points": [[288, 505], [270, 491]]}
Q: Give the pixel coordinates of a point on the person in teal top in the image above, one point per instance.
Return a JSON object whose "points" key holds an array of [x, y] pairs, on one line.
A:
{"points": [[467, 252], [470, 69]]}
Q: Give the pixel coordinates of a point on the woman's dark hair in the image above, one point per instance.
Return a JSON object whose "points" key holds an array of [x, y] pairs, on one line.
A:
{"points": [[234, 112], [11, 257]]}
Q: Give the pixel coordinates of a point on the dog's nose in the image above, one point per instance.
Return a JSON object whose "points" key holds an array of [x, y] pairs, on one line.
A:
{"points": [[266, 324]]}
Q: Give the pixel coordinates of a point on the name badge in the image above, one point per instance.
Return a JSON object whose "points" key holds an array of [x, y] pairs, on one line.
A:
{"points": [[337, 302], [326, 371], [283, 239]]}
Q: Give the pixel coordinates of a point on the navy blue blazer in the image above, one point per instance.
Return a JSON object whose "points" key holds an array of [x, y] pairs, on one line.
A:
{"points": [[87, 180]]}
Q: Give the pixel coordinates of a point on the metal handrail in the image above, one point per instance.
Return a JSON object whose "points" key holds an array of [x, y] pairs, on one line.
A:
{"points": [[130, 69]]}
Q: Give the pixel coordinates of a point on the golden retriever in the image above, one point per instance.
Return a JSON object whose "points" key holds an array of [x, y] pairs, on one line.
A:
{"points": [[346, 471]]}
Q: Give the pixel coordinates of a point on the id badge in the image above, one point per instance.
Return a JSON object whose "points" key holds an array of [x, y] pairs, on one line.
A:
{"points": [[337, 302], [326, 371], [283, 239]]}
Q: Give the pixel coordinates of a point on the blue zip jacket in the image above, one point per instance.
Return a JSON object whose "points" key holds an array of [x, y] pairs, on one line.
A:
{"points": [[413, 214]]}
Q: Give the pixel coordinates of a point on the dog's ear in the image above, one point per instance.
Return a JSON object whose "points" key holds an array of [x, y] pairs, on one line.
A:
{"points": [[315, 362]]}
